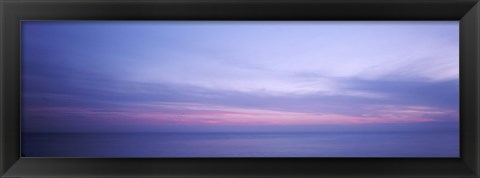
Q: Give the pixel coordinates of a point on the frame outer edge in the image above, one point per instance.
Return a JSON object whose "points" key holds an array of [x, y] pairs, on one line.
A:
{"points": [[470, 35], [475, 10], [8, 141], [3, 167]]}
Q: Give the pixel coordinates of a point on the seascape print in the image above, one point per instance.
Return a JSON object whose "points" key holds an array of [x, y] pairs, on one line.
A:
{"points": [[240, 89]]}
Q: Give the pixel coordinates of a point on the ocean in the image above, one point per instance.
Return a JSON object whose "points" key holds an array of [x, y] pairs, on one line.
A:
{"points": [[161, 145]]}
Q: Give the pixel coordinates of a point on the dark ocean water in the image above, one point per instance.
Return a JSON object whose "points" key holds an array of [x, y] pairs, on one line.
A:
{"points": [[402, 144]]}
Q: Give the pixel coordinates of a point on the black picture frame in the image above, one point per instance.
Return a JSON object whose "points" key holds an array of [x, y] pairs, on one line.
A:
{"points": [[14, 11]]}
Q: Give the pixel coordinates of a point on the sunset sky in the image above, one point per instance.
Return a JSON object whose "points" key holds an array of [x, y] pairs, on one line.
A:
{"points": [[168, 76]]}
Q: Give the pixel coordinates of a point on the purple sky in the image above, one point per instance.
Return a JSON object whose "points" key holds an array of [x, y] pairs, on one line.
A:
{"points": [[239, 76]]}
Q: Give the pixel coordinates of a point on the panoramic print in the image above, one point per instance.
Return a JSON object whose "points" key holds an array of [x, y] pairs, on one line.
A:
{"points": [[240, 89]]}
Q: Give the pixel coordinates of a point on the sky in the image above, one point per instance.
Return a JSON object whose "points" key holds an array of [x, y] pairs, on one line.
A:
{"points": [[203, 76]]}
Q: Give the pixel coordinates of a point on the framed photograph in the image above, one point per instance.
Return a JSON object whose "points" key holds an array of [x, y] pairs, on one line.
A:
{"points": [[225, 88]]}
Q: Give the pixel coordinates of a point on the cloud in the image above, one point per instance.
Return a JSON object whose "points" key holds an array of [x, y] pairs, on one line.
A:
{"points": [[241, 73]]}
